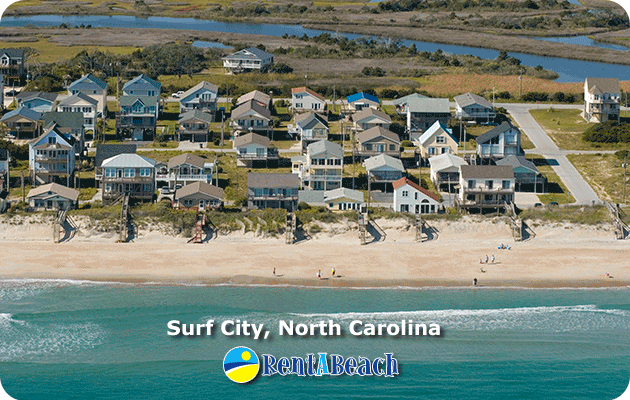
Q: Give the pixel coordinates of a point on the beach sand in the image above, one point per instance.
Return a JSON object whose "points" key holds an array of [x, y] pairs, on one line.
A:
{"points": [[560, 255]]}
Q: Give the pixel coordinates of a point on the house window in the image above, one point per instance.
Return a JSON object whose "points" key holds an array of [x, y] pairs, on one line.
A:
{"points": [[110, 172], [440, 139], [405, 193], [489, 184], [416, 196], [147, 187], [445, 150], [404, 208], [130, 173], [337, 161], [431, 150], [298, 105], [505, 184], [392, 147], [471, 184], [145, 171]]}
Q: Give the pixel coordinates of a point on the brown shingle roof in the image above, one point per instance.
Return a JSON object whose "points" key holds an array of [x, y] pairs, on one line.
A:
{"points": [[605, 85], [309, 91], [187, 158], [250, 138], [250, 105], [369, 112], [405, 181], [376, 132], [55, 188], [199, 187], [486, 172]]}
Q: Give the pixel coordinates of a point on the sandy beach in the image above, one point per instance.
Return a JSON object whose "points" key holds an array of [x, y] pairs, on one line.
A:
{"points": [[560, 255]]}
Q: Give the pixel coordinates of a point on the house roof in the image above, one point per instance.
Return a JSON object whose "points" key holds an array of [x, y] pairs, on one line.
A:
{"points": [[187, 158], [250, 53], [486, 172], [67, 139], [494, 132], [26, 96], [256, 95], [250, 138], [143, 79], [79, 96], [128, 161], [362, 95], [404, 181], [375, 132], [199, 187], [4, 154], [518, 161], [309, 115], [262, 180], [304, 89], [603, 85], [251, 105], [63, 119], [467, 99], [201, 85], [383, 160], [195, 114], [88, 82], [324, 146], [433, 129], [105, 151], [56, 188], [52, 146], [23, 112], [311, 197], [129, 99], [405, 99], [370, 112], [446, 160], [343, 193], [429, 105], [12, 52]]}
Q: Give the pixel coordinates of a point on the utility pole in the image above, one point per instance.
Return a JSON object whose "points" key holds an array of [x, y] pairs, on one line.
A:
{"points": [[23, 193], [625, 164], [222, 127]]}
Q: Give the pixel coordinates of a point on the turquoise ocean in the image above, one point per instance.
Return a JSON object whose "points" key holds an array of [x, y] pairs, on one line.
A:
{"points": [[87, 340]]}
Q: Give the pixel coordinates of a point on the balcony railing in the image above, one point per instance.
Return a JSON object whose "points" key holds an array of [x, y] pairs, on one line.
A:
{"points": [[495, 190], [273, 197], [271, 154], [323, 178], [189, 177]]}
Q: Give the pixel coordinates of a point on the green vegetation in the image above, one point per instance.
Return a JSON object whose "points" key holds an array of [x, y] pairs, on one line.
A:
{"points": [[604, 172], [608, 132], [569, 214]]}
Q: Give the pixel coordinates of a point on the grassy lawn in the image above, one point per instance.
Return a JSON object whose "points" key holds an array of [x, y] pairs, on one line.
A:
{"points": [[572, 214], [87, 193], [565, 127], [604, 173], [556, 191], [283, 144], [50, 52], [163, 145]]}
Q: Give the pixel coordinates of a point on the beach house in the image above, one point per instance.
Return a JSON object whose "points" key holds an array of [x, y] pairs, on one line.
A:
{"points": [[251, 117], [370, 118], [202, 97], [343, 199], [198, 195], [438, 139], [411, 198], [526, 175], [383, 168], [474, 107], [401, 104], [305, 99], [12, 63], [184, 169], [5, 164], [310, 127], [485, 187], [22, 123], [142, 85], [322, 166], [128, 174], [272, 191], [69, 124], [252, 147], [52, 196], [359, 101], [193, 125], [422, 113], [137, 117], [602, 97], [256, 96], [377, 140], [82, 103], [444, 171], [51, 157], [245, 60], [105, 151], [499, 142], [93, 87], [40, 102]]}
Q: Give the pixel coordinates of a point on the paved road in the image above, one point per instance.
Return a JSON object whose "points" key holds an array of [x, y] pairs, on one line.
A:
{"points": [[577, 186]]}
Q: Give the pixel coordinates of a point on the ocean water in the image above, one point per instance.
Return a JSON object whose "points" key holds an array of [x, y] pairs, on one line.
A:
{"points": [[83, 340]]}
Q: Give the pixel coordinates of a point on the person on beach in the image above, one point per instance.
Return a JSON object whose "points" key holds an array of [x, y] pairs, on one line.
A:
{"points": [[319, 274], [274, 272], [481, 270], [332, 271], [493, 259], [475, 282], [486, 259]]}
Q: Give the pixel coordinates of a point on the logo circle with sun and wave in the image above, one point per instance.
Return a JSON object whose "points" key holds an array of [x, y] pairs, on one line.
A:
{"points": [[241, 364]]}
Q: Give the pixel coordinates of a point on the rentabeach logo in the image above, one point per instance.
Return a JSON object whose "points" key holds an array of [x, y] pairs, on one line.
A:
{"points": [[242, 365]]}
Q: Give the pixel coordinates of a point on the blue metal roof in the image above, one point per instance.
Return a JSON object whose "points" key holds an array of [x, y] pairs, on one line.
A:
{"points": [[143, 79], [358, 96], [24, 112], [88, 82]]}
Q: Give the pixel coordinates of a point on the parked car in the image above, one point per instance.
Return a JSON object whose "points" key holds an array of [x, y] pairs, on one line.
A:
{"points": [[177, 95], [165, 190]]}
